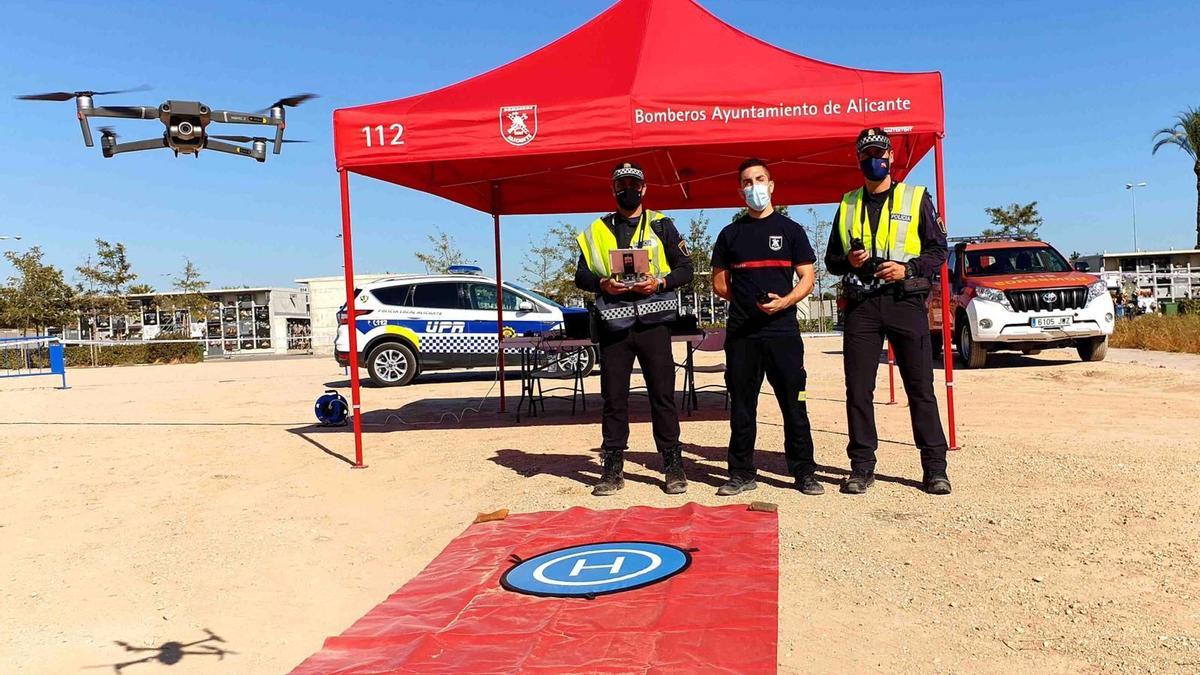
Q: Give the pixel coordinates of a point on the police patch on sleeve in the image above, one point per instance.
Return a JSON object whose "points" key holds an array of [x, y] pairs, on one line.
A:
{"points": [[683, 247], [941, 224]]}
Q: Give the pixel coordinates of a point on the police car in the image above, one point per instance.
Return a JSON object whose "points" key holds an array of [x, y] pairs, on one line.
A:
{"points": [[415, 323]]}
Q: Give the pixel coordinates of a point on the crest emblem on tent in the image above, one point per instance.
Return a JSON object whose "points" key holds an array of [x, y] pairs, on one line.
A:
{"points": [[518, 123]]}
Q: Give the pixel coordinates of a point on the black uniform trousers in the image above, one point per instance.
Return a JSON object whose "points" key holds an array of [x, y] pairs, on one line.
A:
{"points": [[904, 321], [781, 359], [652, 347]]}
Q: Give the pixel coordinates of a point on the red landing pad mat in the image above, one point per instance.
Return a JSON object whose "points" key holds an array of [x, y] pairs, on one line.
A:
{"points": [[718, 613]]}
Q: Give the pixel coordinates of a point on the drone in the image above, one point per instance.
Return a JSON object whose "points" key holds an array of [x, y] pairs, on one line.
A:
{"points": [[186, 124]]}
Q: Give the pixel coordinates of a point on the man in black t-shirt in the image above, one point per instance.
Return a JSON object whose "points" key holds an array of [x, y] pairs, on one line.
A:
{"points": [[754, 262]]}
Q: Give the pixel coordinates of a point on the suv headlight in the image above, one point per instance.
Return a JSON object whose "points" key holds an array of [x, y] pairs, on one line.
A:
{"points": [[993, 295], [1096, 290]]}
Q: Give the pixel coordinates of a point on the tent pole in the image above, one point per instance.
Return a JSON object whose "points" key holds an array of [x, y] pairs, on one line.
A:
{"points": [[947, 349], [351, 321], [499, 312]]}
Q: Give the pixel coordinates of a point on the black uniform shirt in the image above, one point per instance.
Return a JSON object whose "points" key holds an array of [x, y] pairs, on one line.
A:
{"points": [[931, 230], [761, 255], [623, 228]]}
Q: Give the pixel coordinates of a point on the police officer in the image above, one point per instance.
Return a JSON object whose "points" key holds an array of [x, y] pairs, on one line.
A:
{"points": [[754, 262], [634, 321], [888, 242]]}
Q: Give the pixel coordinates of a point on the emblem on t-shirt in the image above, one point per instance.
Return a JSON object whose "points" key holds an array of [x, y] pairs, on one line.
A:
{"points": [[775, 242], [518, 123]]}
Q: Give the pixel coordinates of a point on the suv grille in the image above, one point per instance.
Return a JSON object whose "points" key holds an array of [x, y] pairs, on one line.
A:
{"points": [[1048, 299]]}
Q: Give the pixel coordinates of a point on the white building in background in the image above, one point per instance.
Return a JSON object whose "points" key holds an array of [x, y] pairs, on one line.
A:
{"points": [[239, 320], [326, 295], [1166, 276]]}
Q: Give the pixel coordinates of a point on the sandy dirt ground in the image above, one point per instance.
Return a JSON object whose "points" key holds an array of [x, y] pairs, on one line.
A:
{"points": [[147, 505]]}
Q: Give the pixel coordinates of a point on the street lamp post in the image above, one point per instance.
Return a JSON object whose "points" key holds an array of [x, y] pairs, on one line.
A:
{"points": [[1132, 187]]}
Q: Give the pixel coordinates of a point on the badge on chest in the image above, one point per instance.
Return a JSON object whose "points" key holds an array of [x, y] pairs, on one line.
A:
{"points": [[775, 242]]}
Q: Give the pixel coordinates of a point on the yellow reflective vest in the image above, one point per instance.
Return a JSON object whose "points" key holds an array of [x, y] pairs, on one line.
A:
{"points": [[898, 236]]}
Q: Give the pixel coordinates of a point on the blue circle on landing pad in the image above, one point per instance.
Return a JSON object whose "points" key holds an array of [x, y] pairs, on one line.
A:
{"points": [[596, 569]]}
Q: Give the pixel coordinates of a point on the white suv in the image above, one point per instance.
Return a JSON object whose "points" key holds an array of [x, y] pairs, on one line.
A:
{"points": [[1021, 295], [415, 323]]}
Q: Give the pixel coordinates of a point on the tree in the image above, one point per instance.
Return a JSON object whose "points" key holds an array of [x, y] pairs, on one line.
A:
{"points": [[444, 253], [111, 272], [1019, 221], [140, 289], [191, 297], [105, 277], [37, 296], [818, 235], [1075, 256], [1185, 135], [549, 265], [700, 243]]}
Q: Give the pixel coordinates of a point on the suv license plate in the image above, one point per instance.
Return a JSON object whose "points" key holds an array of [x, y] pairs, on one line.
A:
{"points": [[1051, 321]]}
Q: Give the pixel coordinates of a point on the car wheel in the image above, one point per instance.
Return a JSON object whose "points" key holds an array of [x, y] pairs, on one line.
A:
{"points": [[583, 360], [973, 354], [1092, 349], [392, 364]]}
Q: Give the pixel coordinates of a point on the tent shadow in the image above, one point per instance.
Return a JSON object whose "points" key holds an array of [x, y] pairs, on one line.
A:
{"points": [[476, 413], [511, 375]]}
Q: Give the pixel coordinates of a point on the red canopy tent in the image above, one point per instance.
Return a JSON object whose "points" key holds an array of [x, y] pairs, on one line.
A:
{"points": [[662, 82]]}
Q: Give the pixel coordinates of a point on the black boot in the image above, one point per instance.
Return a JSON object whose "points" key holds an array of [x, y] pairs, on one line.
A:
{"points": [[611, 480], [675, 482]]}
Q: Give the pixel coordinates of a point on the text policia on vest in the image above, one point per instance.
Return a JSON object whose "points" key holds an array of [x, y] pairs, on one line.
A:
{"points": [[727, 114]]}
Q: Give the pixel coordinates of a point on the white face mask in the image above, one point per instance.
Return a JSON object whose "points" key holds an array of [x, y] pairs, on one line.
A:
{"points": [[758, 198]]}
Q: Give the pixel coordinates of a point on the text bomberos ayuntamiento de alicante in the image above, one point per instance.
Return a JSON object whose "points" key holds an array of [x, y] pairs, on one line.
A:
{"points": [[727, 114]]}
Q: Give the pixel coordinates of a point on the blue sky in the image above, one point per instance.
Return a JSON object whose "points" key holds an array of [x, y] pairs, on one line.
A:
{"points": [[1047, 101]]}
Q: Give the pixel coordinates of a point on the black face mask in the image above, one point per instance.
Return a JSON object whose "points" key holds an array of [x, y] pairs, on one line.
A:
{"points": [[874, 168], [629, 198]]}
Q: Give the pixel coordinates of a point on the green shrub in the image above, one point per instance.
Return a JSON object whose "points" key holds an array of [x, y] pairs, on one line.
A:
{"points": [[79, 356]]}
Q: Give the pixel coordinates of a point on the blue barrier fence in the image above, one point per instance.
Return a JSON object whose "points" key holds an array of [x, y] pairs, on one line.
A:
{"points": [[32, 356]]}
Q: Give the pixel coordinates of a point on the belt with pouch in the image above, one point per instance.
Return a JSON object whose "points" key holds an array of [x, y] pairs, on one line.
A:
{"points": [[901, 289]]}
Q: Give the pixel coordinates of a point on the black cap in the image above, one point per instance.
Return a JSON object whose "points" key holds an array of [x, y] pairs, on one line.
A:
{"points": [[628, 170], [873, 137]]}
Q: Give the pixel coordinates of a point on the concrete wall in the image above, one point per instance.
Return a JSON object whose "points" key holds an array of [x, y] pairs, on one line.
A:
{"points": [[325, 296]]}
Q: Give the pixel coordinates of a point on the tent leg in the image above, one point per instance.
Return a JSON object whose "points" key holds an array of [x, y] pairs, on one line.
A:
{"points": [[499, 313], [351, 324], [947, 349]]}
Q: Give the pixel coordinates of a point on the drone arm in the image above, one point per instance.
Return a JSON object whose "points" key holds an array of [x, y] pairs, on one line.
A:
{"points": [[234, 117], [134, 146], [258, 153], [87, 133], [133, 112]]}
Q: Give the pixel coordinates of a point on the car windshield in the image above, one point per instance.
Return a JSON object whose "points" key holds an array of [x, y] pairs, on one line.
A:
{"points": [[1023, 260], [534, 294]]}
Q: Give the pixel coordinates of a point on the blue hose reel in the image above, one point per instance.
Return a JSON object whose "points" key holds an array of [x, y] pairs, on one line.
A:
{"points": [[332, 409]]}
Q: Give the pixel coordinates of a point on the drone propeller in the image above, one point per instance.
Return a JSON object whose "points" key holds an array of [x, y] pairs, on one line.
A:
{"points": [[68, 95], [247, 139], [291, 101], [108, 131]]}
